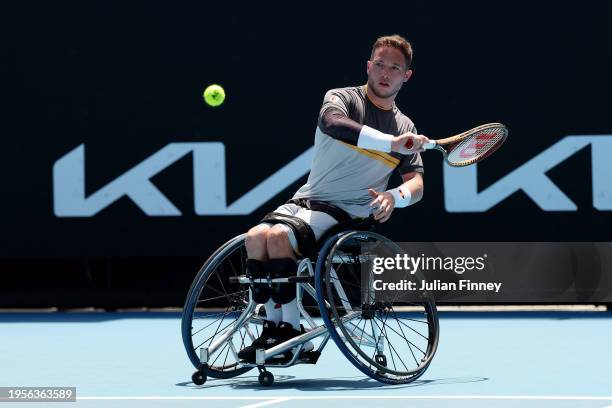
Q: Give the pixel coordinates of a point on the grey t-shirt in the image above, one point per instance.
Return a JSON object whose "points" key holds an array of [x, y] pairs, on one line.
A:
{"points": [[341, 172]]}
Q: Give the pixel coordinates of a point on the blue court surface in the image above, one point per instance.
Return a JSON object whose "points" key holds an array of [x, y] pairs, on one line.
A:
{"points": [[505, 359]]}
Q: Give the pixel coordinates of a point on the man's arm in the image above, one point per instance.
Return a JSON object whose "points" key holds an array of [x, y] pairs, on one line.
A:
{"points": [[336, 124], [413, 181], [408, 193], [334, 121]]}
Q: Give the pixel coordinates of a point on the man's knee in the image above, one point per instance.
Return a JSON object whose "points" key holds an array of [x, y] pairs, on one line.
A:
{"points": [[256, 240], [278, 240]]}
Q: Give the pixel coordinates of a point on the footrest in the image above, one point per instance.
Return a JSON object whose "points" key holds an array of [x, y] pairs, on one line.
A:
{"points": [[301, 279], [310, 357], [292, 279]]}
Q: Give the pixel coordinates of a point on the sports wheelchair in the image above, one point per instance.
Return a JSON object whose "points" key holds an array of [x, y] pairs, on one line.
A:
{"points": [[392, 342]]}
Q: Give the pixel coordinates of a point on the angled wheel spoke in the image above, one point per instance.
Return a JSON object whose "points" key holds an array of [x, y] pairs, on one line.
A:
{"points": [[208, 316], [227, 353], [399, 321], [224, 290], [215, 333], [398, 355], [219, 353], [402, 335], [208, 325]]}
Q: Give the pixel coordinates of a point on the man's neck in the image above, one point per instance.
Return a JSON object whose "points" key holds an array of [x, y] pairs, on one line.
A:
{"points": [[382, 103]]}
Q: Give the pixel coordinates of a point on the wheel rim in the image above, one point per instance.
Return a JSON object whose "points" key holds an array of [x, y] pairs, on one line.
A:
{"points": [[407, 332], [213, 306]]}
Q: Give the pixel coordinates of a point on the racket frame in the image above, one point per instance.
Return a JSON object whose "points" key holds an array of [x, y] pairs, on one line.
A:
{"points": [[453, 140]]}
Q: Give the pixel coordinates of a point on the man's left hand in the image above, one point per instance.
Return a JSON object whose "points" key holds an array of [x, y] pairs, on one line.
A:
{"points": [[383, 204]]}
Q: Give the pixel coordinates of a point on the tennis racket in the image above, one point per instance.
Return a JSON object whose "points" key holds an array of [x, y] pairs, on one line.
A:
{"points": [[472, 146]]}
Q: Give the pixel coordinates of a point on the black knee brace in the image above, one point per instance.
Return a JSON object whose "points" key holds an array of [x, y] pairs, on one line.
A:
{"points": [[282, 268], [255, 270]]}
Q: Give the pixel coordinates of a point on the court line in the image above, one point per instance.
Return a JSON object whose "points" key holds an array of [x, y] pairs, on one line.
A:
{"points": [[264, 403], [346, 397]]}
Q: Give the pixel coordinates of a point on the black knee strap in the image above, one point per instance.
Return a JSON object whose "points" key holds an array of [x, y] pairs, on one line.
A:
{"points": [[282, 268], [304, 235], [255, 270]]}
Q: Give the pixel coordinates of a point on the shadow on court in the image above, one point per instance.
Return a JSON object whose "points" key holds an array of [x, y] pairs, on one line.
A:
{"points": [[285, 382]]}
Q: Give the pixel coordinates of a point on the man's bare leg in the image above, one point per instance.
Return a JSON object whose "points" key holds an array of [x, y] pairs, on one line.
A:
{"points": [[279, 247], [257, 248], [272, 245], [278, 244], [256, 242]]}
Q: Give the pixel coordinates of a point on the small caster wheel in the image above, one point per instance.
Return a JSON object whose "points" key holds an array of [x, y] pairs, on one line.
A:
{"points": [[198, 378], [266, 378]]}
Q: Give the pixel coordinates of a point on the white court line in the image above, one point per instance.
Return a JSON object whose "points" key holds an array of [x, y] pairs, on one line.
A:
{"points": [[261, 404], [346, 397]]}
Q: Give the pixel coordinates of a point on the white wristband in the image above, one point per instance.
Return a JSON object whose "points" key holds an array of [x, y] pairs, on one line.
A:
{"points": [[370, 138], [402, 196]]}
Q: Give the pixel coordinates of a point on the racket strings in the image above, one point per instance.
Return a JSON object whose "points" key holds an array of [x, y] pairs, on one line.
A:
{"points": [[477, 146]]}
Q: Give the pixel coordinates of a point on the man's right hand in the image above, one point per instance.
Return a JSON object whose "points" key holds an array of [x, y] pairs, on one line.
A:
{"points": [[399, 143]]}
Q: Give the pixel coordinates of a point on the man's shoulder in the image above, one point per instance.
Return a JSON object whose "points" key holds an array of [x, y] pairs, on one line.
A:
{"points": [[349, 90], [403, 120]]}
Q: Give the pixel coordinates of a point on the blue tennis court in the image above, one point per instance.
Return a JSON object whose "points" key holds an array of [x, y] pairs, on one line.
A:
{"points": [[552, 359], [426, 187]]}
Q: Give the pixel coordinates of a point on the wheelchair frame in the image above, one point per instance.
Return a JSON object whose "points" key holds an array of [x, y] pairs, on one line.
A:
{"points": [[250, 315]]}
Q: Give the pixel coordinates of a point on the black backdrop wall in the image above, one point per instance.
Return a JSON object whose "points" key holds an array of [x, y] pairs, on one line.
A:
{"points": [[106, 142]]}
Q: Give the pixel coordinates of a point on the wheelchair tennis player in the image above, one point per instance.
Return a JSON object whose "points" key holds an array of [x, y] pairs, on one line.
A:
{"points": [[360, 139]]}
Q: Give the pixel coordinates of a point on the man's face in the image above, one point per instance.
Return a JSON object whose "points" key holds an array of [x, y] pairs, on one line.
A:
{"points": [[387, 72]]}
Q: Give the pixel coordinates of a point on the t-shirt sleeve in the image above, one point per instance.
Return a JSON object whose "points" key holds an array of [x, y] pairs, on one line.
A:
{"points": [[339, 99], [411, 162], [334, 117]]}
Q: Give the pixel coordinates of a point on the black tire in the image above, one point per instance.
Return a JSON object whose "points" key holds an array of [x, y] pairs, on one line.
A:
{"points": [[266, 378], [211, 288], [198, 378], [411, 334]]}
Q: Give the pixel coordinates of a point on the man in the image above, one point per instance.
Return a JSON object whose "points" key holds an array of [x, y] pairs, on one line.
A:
{"points": [[360, 138]]}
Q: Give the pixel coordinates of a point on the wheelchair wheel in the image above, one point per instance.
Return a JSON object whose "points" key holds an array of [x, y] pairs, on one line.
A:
{"points": [[213, 306], [391, 341]]}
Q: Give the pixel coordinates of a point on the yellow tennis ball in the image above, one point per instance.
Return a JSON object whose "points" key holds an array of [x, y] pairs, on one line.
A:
{"points": [[214, 95]]}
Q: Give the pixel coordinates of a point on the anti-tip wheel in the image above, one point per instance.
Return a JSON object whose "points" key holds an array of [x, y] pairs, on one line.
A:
{"points": [[266, 378], [199, 378]]}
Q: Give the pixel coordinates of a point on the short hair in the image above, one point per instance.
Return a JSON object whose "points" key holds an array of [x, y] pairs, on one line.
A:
{"points": [[397, 42]]}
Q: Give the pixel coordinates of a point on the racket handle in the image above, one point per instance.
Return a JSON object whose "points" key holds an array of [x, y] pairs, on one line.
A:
{"points": [[429, 146]]}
